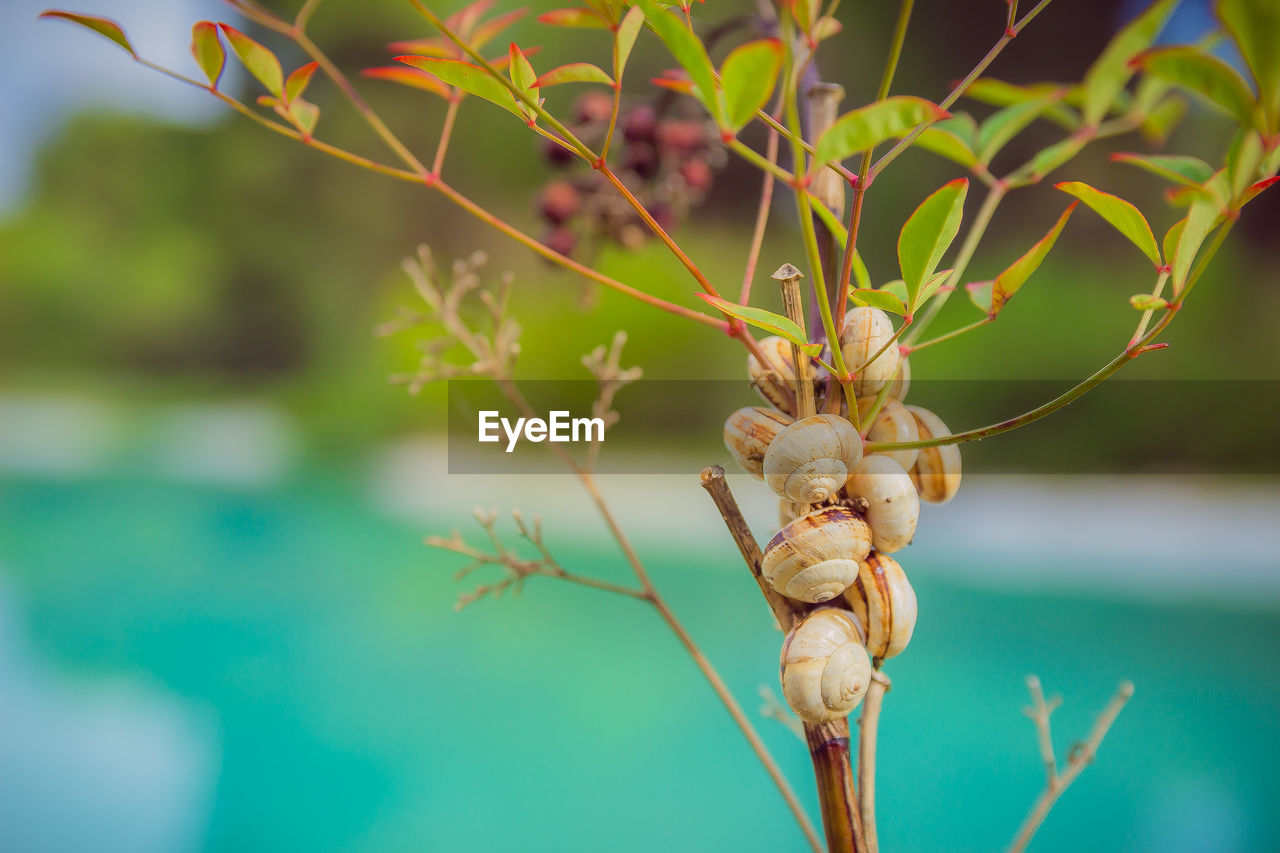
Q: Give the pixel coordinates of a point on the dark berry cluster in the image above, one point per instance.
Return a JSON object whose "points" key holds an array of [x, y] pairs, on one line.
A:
{"points": [[668, 163]]}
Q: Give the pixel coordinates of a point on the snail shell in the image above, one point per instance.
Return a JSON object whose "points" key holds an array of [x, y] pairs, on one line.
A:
{"points": [[902, 381], [748, 433], [937, 470], [810, 460], [816, 556], [825, 668], [884, 603], [775, 382], [865, 332], [894, 423], [893, 507]]}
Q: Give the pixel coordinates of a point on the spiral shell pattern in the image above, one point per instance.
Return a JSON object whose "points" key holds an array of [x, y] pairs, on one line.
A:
{"points": [[884, 602], [825, 669], [817, 556], [810, 460], [748, 433]]}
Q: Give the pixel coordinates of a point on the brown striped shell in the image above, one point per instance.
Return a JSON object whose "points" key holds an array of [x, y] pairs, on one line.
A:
{"points": [[894, 423], [937, 470], [884, 602], [815, 557], [865, 332], [810, 460], [748, 433], [825, 669], [893, 507], [775, 381]]}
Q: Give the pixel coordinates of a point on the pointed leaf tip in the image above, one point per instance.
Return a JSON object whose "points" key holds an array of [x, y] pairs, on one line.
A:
{"points": [[104, 27]]}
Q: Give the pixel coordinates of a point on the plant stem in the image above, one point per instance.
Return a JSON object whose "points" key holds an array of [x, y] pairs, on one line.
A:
{"points": [[762, 219], [829, 750], [959, 89], [788, 278], [446, 133], [786, 612], [868, 725]]}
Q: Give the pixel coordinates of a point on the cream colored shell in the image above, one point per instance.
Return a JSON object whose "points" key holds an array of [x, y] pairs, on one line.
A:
{"points": [[893, 507], [865, 332], [825, 668], [748, 433], [815, 557], [776, 381], [885, 604], [937, 470], [902, 382], [810, 460], [894, 423]]}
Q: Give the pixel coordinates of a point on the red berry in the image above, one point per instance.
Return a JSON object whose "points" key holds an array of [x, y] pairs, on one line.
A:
{"points": [[593, 107], [697, 174], [640, 123], [561, 239], [681, 136], [556, 154], [642, 159], [559, 202]]}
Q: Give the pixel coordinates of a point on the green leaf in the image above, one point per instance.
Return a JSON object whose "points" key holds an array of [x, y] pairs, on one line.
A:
{"points": [[521, 71], [304, 114], [867, 127], [1171, 237], [804, 12], [628, 32], [882, 299], [1108, 75], [1243, 160], [897, 287], [574, 19], [1177, 168], [928, 234], [574, 72], [1255, 27], [1161, 121], [688, 51], [297, 82], [1055, 156], [1001, 94], [946, 144], [102, 26], [933, 285], [260, 61], [206, 47], [773, 323], [824, 28], [1122, 215], [860, 274], [1004, 125], [748, 77], [1011, 280], [1205, 75], [471, 79], [1201, 220], [1147, 302], [980, 295]]}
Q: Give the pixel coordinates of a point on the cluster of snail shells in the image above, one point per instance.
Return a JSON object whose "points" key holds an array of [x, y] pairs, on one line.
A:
{"points": [[842, 513]]}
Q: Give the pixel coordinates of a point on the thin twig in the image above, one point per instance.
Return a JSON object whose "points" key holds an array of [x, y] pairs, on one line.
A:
{"points": [[1081, 756], [868, 729]]}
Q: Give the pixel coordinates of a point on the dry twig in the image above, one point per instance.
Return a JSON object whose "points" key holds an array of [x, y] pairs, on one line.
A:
{"points": [[1080, 757]]}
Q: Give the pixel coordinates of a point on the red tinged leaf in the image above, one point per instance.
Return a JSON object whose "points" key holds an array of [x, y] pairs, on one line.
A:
{"points": [[434, 46], [574, 18], [574, 72], [1011, 280], [260, 61], [297, 82], [1252, 192], [206, 47], [411, 77], [1121, 214], [465, 19], [681, 83], [866, 127], [102, 26], [470, 78], [487, 31]]}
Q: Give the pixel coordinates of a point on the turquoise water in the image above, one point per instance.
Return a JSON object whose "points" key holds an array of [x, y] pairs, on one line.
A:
{"points": [[351, 708]]}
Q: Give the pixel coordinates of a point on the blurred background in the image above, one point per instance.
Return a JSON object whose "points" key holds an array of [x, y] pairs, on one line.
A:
{"points": [[219, 628]]}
